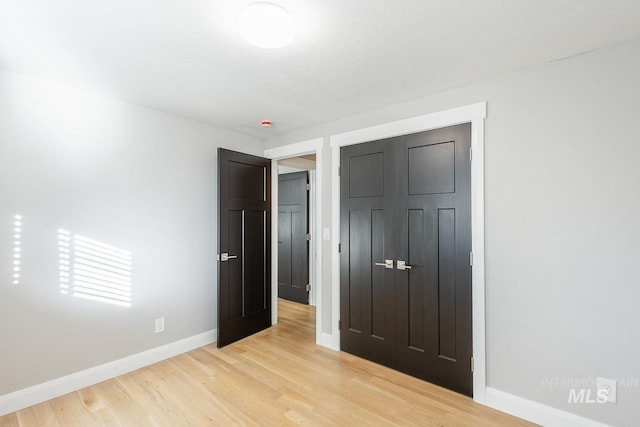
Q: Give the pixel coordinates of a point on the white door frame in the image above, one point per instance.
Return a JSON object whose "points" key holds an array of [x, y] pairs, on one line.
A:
{"points": [[313, 146], [474, 114], [313, 250]]}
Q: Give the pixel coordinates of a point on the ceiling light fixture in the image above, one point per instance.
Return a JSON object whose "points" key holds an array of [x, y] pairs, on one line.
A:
{"points": [[267, 25]]}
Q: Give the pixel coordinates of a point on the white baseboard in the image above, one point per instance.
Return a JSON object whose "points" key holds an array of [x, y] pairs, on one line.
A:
{"points": [[29, 396], [327, 340], [536, 412]]}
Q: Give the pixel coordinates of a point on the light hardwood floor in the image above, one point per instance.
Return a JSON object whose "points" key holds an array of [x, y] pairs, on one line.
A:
{"points": [[276, 377]]}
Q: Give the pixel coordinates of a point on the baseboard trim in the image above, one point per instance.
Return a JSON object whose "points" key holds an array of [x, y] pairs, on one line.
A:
{"points": [[536, 412], [328, 340], [29, 396]]}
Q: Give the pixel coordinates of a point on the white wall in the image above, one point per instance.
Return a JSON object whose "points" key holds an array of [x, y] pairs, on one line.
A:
{"points": [[125, 175], [562, 202]]}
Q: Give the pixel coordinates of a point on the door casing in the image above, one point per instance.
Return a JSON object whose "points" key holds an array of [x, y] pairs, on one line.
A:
{"points": [[474, 114]]}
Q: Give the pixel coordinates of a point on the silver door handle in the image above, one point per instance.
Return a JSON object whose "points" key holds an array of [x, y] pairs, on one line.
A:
{"points": [[403, 266], [388, 263], [226, 257]]}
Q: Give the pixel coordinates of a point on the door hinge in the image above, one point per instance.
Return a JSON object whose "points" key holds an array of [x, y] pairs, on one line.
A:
{"points": [[338, 170], [470, 154], [472, 364], [339, 247], [471, 259], [339, 325], [308, 236], [308, 287], [308, 187]]}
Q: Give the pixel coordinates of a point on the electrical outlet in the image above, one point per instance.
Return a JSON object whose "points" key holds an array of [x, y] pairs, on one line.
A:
{"points": [[159, 325], [606, 390]]}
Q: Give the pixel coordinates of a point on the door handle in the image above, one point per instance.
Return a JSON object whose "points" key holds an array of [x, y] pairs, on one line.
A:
{"points": [[388, 263], [403, 266], [226, 257]]}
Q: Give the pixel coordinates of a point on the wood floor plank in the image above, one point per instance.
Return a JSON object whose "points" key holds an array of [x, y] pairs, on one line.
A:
{"points": [[128, 405], [10, 420], [38, 415], [70, 410], [278, 376]]}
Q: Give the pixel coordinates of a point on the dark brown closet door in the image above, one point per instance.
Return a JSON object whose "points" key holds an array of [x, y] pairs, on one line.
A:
{"points": [[415, 202], [367, 286], [434, 238]]}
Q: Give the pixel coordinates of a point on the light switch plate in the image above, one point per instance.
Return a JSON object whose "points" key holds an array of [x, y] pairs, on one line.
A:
{"points": [[326, 234], [159, 325]]}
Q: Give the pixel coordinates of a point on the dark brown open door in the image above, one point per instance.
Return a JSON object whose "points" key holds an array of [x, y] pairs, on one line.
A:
{"points": [[293, 243], [244, 245], [405, 273]]}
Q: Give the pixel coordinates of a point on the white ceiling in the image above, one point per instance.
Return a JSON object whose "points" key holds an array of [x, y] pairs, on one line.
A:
{"points": [[350, 56]]}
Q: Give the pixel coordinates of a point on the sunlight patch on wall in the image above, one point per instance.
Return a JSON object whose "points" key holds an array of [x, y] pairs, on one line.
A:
{"points": [[17, 248], [94, 270], [64, 260]]}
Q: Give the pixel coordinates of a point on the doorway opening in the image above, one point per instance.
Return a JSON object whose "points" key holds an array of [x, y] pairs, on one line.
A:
{"points": [[296, 215], [304, 159]]}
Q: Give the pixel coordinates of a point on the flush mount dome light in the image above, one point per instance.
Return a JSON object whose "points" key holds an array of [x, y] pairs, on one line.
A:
{"points": [[267, 25]]}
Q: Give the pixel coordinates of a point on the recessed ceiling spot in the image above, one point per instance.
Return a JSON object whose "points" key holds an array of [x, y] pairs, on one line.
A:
{"points": [[267, 25]]}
